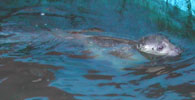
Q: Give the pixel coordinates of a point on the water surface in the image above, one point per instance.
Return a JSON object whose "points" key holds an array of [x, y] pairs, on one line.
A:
{"points": [[38, 65]]}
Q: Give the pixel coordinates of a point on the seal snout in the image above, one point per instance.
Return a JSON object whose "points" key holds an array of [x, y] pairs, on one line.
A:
{"points": [[178, 51], [174, 51]]}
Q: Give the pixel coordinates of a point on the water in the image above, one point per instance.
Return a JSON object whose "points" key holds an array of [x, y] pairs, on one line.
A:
{"points": [[38, 65]]}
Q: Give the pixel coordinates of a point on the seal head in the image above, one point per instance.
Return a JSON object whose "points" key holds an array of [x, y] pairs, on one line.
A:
{"points": [[158, 45]]}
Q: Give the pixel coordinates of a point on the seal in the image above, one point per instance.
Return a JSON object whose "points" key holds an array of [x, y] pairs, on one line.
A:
{"points": [[156, 44]]}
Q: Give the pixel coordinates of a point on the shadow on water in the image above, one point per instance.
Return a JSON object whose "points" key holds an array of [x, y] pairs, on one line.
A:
{"points": [[25, 80], [37, 64]]}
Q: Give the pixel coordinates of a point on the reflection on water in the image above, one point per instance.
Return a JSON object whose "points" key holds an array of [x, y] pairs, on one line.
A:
{"points": [[37, 64]]}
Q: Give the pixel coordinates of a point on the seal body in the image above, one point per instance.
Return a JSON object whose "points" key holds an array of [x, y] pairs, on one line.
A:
{"points": [[157, 45]]}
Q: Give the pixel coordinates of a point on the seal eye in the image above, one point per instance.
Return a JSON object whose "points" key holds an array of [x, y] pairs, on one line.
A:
{"points": [[160, 48]]}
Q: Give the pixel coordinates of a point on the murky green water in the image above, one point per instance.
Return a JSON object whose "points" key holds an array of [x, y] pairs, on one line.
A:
{"points": [[36, 64]]}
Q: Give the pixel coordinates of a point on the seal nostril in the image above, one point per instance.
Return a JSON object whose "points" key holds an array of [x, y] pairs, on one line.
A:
{"points": [[178, 50]]}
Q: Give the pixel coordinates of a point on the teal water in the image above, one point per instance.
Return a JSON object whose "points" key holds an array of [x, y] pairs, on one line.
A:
{"points": [[35, 64]]}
